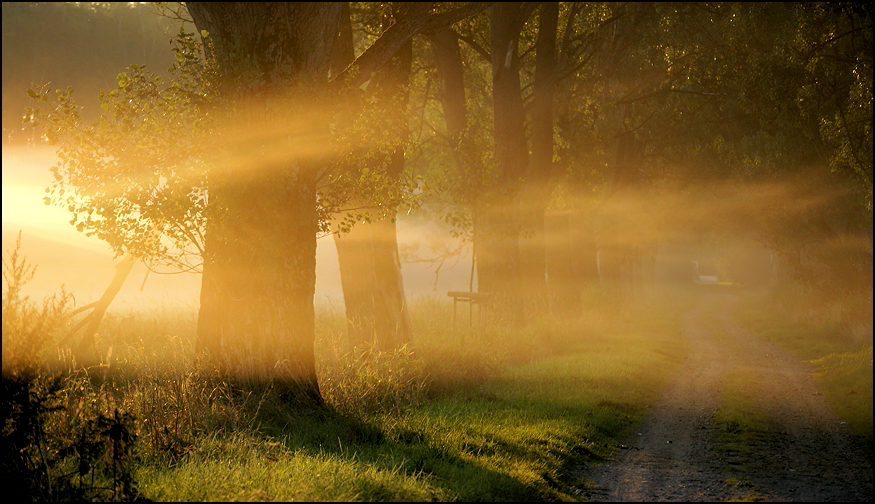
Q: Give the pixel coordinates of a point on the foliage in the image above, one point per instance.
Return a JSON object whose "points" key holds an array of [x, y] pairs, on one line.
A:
{"points": [[28, 329], [83, 44], [91, 458], [135, 178], [139, 177]]}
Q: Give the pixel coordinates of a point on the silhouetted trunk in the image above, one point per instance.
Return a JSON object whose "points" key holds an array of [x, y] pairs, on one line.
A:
{"points": [[256, 318], [537, 188], [370, 269], [563, 281], [84, 351], [571, 258], [498, 241], [618, 249], [584, 247], [451, 76], [373, 291], [469, 163]]}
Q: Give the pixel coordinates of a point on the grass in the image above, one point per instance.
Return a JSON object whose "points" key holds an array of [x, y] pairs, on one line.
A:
{"points": [[510, 434], [810, 328], [742, 427], [499, 413]]}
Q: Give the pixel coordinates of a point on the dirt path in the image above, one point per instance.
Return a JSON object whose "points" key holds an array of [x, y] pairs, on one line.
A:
{"points": [[672, 456]]}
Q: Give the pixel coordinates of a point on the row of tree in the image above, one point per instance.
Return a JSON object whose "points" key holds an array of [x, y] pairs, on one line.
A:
{"points": [[562, 139]]}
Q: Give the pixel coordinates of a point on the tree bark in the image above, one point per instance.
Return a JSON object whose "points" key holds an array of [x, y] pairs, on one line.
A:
{"points": [[370, 267], [498, 248], [469, 164], [418, 20], [537, 188], [451, 75], [256, 318], [563, 280], [618, 251]]}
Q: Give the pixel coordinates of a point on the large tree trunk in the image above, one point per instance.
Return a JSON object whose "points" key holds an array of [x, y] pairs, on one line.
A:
{"points": [[370, 268], [373, 291], [256, 318]]}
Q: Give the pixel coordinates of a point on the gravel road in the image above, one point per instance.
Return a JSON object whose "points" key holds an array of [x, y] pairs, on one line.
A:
{"points": [[673, 457]]}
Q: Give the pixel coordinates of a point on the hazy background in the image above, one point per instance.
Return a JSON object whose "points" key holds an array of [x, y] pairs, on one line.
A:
{"points": [[84, 265], [86, 48]]}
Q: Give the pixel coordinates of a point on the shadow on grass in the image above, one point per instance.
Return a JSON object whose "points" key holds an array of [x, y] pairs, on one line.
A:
{"points": [[323, 430]]}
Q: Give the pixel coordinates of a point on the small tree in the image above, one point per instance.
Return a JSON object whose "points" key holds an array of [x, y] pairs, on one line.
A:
{"points": [[136, 178]]}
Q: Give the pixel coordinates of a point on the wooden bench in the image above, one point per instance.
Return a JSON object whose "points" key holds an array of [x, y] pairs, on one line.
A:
{"points": [[471, 298]]}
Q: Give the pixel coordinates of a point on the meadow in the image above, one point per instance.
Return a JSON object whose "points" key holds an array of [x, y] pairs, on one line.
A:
{"points": [[498, 412]]}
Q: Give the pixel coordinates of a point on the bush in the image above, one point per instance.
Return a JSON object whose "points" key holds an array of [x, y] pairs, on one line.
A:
{"points": [[47, 453], [27, 328]]}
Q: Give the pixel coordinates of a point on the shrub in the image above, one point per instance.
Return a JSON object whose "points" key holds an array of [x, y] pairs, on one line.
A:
{"points": [[45, 452]]}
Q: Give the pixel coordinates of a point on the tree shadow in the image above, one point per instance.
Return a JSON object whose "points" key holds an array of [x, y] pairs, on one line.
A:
{"points": [[323, 430]]}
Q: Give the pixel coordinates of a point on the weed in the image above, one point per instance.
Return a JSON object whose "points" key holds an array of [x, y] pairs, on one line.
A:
{"points": [[500, 412], [53, 448]]}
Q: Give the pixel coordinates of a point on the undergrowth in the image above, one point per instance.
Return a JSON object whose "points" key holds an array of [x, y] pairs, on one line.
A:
{"points": [[499, 412]]}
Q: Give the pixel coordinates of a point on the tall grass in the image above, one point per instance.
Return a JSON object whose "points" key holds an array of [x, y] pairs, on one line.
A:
{"points": [[498, 412]]}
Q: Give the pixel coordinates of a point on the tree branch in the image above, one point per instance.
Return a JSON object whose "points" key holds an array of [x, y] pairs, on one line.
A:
{"points": [[381, 51]]}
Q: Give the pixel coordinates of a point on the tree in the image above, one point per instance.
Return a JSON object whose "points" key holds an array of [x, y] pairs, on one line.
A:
{"points": [[260, 251], [539, 173], [82, 44], [498, 216], [229, 160], [370, 267]]}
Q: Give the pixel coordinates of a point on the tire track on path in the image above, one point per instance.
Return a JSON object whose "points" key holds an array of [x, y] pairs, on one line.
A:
{"points": [[673, 457]]}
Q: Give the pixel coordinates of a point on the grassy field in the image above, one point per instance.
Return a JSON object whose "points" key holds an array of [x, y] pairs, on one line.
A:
{"points": [[498, 413]]}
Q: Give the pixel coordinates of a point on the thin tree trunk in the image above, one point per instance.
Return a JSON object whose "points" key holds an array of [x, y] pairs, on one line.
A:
{"points": [[83, 351], [468, 161], [563, 281], [538, 184]]}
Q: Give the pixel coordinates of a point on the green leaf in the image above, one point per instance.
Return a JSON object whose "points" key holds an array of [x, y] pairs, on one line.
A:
{"points": [[205, 33]]}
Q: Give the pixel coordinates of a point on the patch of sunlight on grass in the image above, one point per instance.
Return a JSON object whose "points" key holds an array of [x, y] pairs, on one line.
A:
{"points": [[846, 381], [741, 425], [243, 469]]}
